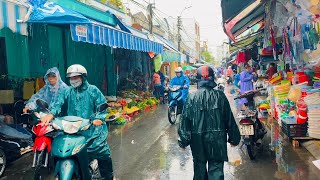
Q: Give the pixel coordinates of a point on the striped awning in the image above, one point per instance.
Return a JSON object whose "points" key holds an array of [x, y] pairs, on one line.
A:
{"points": [[9, 14], [109, 36]]}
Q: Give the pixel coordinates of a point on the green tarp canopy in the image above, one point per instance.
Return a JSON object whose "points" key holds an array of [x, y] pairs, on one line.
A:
{"points": [[244, 42], [188, 68], [169, 56]]}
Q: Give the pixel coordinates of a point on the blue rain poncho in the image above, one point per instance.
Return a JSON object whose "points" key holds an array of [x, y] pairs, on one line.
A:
{"points": [[246, 84], [181, 81], [48, 92], [83, 102]]}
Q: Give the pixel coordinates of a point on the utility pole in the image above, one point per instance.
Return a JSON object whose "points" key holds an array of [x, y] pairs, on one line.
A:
{"points": [[150, 8], [179, 25]]}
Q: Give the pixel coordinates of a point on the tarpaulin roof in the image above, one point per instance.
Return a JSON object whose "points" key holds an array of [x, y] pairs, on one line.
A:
{"points": [[109, 36], [257, 15], [87, 30], [231, 8], [239, 11], [167, 44], [9, 14], [169, 56], [244, 42], [52, 13]]}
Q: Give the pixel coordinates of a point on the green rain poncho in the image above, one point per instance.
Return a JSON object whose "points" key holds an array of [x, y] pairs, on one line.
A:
{"points": [[206, 122], [83, 102]]}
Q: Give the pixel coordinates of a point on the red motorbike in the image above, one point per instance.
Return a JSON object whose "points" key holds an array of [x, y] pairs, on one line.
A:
{"points": [[42, 145]]}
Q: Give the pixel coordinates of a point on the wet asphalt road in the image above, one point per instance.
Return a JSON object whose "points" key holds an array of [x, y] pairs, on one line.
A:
{"points": [[147, 149]]}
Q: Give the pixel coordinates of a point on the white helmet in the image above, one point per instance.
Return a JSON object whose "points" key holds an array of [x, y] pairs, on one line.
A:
{"points": [[178, 69], [76, 70]]}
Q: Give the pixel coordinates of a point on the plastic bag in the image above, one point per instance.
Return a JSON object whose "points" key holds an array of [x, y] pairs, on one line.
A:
{"points": [[234, 156], [294, 94]]}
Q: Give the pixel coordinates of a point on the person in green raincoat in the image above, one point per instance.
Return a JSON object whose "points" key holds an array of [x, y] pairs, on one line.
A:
{"points": [[82, 100], [207, 125]]}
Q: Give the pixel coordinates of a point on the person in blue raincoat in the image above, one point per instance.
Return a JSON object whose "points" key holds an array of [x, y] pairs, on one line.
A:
{"points": [[50, 92], [82, 100], [246, 83], [181, 80]]}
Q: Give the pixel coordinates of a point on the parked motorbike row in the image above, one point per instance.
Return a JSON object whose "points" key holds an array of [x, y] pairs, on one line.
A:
{"points": [[60, 146]]}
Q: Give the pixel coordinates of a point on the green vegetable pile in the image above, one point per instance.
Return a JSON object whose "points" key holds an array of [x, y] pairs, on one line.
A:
{"points": [[120, 121]]}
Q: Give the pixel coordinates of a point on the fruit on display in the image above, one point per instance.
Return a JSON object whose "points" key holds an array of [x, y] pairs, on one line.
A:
{"points": [[131, 110]]}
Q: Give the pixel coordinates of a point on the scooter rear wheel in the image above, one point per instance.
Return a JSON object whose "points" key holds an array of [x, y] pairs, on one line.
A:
{"points": [[172, 114], [3, 161]]}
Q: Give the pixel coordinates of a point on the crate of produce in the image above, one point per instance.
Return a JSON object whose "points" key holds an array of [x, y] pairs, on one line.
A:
{"points": [[294, 130]]}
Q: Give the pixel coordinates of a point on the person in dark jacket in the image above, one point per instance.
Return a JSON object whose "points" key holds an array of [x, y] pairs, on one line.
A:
{"points": [[207, 125], [271, 70]]}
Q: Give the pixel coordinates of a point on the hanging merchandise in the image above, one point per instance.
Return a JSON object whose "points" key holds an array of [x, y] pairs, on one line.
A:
{"points": [[273, 41], [157, 62], [241, 58], [247, 54], [254, 52]]}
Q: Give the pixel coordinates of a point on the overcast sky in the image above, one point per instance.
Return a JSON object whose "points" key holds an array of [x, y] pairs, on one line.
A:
{"points": [[206, 12]]}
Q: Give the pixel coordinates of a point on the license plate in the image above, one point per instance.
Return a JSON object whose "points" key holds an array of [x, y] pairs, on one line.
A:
{"points": [[246, 130]]}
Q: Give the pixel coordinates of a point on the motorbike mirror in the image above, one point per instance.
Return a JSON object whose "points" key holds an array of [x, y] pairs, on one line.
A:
{"points": [[42, 104], [102, 107]]}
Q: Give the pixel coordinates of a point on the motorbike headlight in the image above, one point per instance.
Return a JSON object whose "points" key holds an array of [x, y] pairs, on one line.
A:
{"points": [[56, 126], [77, 149], [71, 127], [86, 127]]}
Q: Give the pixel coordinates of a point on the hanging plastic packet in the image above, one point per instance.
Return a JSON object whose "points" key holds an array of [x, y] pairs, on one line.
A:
{"points": [[234, 156]]}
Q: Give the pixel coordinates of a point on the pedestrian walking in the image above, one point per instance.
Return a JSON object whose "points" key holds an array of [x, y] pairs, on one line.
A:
{"points": [[206, 122]]}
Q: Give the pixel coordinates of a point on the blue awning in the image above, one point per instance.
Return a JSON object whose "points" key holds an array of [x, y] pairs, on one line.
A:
{"points": [[106, 35], [52, 13], [168, 44], [9, 14]]}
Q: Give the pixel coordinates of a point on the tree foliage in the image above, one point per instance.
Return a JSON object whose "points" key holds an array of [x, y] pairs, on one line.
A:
{"points": [[115, 3], [207, 56]]}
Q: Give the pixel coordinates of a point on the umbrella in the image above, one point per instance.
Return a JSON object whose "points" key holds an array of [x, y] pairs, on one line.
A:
{"points": [[188, 68]]}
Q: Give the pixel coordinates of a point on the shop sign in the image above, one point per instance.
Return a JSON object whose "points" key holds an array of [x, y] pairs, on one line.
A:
{"points": [[81, 31]]}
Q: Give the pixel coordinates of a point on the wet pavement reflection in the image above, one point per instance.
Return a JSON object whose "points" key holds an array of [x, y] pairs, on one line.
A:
{"points": [[147, 149]]}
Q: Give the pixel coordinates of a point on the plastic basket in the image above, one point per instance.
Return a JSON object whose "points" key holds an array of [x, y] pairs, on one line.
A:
{"points": [[290, 120], [294, 130]]}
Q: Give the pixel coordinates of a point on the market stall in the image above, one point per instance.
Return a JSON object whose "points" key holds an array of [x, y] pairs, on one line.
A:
{"points": [[128, 105], [290, 42]]}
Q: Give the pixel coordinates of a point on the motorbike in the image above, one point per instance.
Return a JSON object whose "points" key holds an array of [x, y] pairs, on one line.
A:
{"points": [[229, 80], [42, 142], [11, 149], [220, 84], [69, 148], [251, 129], [175, 103]]}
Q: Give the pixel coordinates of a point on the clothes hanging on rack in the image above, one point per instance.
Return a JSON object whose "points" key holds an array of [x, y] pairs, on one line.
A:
{"points": [[241, 57]]}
